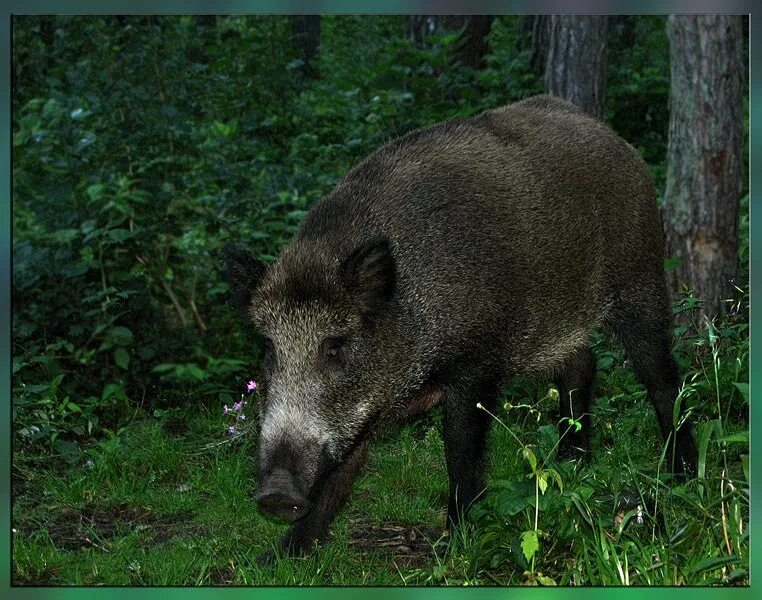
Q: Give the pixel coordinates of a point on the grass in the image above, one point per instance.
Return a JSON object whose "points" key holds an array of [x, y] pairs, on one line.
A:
{"points": [[160, 504]]}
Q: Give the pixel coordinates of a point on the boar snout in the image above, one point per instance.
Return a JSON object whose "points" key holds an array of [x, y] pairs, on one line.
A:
{"points": [[279, 497]]}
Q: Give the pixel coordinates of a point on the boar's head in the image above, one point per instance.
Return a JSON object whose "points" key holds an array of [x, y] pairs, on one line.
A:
{"points": [[325, 316]]}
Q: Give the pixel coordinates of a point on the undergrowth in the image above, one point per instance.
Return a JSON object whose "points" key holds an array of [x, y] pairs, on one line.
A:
{"points": [[168, 499]]}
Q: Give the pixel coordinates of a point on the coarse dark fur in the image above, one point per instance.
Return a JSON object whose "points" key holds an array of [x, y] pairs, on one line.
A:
{"points": [[443, 264]]}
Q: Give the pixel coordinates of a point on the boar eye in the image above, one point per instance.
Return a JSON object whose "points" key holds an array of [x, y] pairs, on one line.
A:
{"points": [[332, 350]]}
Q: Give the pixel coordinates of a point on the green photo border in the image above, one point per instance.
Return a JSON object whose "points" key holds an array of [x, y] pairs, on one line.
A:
{"points": [[354, 7]]}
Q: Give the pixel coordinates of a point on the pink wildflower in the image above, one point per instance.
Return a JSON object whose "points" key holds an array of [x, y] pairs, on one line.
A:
{"points": [[251, 386]]}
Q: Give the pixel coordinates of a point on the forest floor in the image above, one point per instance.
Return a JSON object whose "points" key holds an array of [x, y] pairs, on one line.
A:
{"points": [[169, 500]]}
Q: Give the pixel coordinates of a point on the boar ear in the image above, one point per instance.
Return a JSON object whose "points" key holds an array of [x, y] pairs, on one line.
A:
{"points": [[370, 274], [243, 275]]}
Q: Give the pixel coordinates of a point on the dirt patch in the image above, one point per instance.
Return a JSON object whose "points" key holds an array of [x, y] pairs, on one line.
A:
{"points": [[95, 527], [407, 545]]}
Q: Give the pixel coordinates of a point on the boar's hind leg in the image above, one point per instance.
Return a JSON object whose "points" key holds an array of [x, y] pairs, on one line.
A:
{"points": [[328, 498], [575, 390], [643, 328], [465, 432]]}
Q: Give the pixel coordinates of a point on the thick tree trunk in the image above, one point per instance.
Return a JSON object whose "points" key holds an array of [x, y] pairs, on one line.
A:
{"points": [[704, 155], [576, 65], [307, 42], [473, 46]]}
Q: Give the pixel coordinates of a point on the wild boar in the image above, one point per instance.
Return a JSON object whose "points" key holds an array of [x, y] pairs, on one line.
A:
{"points": [[449, 260]]}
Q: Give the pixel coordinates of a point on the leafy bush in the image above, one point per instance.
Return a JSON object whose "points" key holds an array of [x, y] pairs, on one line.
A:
{"points": [[144, 144]]}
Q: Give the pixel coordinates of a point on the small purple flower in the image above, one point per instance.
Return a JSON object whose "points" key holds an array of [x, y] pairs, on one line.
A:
{"points": [[237, 409]]}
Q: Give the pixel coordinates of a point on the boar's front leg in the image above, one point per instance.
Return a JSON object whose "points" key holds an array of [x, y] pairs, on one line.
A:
{"points": [[329, 496], [465, 433]]}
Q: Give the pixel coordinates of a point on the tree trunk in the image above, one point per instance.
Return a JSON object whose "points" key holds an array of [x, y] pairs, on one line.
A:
{"points": [[576, 66], [451, 22], [47, 33], [415, 29], [704, 155], [307, 42], [473, 46]]}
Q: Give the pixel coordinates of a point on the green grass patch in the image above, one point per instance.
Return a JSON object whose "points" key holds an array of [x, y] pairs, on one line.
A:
{"points": [[169, 499]]}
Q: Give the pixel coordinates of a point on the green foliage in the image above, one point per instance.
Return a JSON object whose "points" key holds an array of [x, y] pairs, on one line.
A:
{"points": [[144, 144], [637, 92], [135, 158], [619, 520]]}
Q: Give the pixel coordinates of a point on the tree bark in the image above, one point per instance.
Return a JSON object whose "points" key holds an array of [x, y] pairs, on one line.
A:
{"points": [[451, 22], [704, 155], [576, 65], [473, 45], [415, 29], [307, 42]]}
